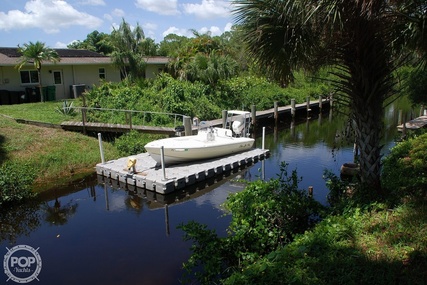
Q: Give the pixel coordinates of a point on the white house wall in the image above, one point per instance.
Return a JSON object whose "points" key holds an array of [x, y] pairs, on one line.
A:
{"points": [[78, 74], [11, 80]]}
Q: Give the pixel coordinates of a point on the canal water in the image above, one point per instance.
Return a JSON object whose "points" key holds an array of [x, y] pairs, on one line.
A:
{"points": [[98, 233]]}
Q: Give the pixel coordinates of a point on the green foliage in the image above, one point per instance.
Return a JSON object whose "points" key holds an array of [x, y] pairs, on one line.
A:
{"points": [[95, 41], [378, 246], [405, 168], [417, 87], [129, 50], [244, 91], [266, 215], [36, 53], [16, 180], [269, 214], [133, 142], [66, 109], [174, 96]]}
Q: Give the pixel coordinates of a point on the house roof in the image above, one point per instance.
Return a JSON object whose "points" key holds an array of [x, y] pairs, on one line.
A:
{"points": [[9, 57]]}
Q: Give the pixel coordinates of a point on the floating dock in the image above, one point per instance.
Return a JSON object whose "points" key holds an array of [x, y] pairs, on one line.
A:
{"points": [[148, 175]]}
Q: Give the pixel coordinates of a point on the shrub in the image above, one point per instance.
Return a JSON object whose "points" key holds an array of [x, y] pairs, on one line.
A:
{"points": [[265, 216], [405, 168], [133, 142]]}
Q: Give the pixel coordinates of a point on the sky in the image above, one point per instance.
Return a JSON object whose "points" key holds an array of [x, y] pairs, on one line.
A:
{"points": [[58, 23]]}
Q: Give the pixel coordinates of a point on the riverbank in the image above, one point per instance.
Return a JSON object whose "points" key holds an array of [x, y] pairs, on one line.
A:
{"points": [[56, 157]]}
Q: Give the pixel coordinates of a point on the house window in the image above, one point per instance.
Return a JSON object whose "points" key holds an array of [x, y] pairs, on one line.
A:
{"points": [[29, 77], [101, 72]]}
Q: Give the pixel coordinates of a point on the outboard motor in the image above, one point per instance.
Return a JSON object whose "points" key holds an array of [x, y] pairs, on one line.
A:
{"points": [[238, 127]]}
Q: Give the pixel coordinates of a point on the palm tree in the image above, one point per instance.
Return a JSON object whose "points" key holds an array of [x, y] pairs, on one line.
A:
{"points": [[362, 39], [36, 53], [128, 53]]}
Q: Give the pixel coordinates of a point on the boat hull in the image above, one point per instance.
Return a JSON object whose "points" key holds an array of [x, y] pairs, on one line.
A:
{"points": [[192, 148]]}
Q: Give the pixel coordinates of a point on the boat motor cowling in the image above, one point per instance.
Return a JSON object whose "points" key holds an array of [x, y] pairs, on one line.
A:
{"points": [[238, 127]]}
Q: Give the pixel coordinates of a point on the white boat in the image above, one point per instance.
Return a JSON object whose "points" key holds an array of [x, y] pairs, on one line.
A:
{"points": [[210, 142]]}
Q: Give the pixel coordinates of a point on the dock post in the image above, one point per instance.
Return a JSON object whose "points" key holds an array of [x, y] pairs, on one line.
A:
{"points": [[101, 149], [293, 107], [187, 126], [320, 102], [263, 138], [253, 111], [224, 118], [84, 120], [162, 160], [276, 111], [308, 105], [129, 119]]}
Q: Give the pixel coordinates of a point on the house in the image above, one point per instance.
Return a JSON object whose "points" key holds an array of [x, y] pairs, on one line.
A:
{"points": [[76, 71]]}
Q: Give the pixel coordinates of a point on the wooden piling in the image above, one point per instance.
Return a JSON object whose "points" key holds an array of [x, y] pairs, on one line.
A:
{"points": [[187, 125], [276, 111], [293, 107], [253, 114], [224, 118], [128, 116]]}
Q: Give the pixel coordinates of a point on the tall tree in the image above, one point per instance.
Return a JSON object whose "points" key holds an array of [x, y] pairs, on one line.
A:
{"points": [[149, 47], [359, 37], [203, 58], [171, 44], [128, 54], [36, 53], [95, 41]]}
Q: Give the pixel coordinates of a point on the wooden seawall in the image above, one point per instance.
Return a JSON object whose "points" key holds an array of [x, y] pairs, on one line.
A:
{"points": [[149, 176]]}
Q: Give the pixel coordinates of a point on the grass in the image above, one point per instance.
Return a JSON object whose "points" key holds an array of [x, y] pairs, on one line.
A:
{"points": [[42, 112], [58, 157]]}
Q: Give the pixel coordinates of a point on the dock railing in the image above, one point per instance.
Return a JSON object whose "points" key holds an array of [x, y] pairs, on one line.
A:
{"points": [[129, 117]]}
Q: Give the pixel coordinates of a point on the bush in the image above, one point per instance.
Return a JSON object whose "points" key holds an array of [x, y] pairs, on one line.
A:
{"points": [[133, 142], [266, 215], [405, 168], [15, 182]]}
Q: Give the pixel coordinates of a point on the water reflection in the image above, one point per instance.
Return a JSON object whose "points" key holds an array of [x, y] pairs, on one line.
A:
{"points": [[20, 220], [139, 198], [57, 213]]}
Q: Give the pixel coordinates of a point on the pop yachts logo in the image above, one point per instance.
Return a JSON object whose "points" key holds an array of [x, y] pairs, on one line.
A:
{"points": [[22, 264]]}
